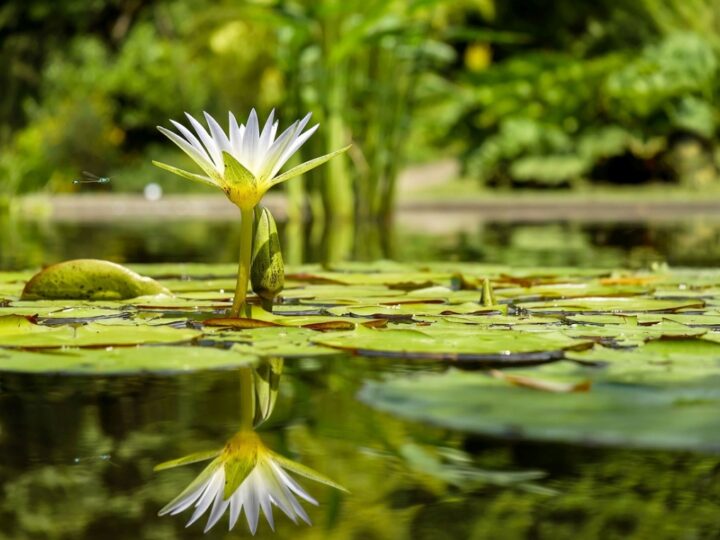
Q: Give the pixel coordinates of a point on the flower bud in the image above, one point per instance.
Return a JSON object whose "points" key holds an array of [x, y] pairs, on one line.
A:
{"points": [[267, 272]]}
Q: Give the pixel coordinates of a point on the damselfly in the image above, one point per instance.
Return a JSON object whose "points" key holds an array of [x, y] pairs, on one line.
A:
{"points": [[101, 457], [90, 178]]}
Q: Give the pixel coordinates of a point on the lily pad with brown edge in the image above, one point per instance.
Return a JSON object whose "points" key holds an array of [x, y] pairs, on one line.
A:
{"points": [[260, 318], [89, 279], [482, 345], [123, 361]]}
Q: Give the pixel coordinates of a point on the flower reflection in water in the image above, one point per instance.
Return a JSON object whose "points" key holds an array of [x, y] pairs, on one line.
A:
{"points": [[245, 474]]}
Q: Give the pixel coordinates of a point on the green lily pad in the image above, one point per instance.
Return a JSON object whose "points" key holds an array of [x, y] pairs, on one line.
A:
{"points": [[633, 334], [122, 361], [433, 311], [89, 279], [657, 363], [285, 342], [611, 305], [21, 332], [489, 345], [609, 414]]}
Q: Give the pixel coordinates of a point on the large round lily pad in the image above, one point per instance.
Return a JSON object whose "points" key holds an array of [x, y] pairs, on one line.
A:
{"points": [[610, 413]]}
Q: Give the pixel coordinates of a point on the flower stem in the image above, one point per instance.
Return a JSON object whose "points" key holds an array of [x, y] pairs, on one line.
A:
{"points": [[246, 237], [247, 399]]}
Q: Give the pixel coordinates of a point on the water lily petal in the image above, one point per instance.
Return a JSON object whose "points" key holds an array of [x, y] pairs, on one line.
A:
{"points": [[294, 486], [202, 160], [294, 147], [218, 509], [286, 153], [218, 135], [266, 135], [235, 508], [208, 142], [236, 135], [280, 496], [191, 493], [191, 138], [276, 150], [250, 142], [304, 167], [251, 503], [213, 490]]}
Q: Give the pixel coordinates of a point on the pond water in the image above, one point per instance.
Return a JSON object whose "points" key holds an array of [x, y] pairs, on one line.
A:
{"points": [[77, 452], [558, 243], [77, 457]]}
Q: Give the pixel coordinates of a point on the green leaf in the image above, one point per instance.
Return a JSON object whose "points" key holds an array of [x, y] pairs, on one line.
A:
{"points": [[236, 172], [187, 460], [185, 174], [240, 184], [305, 471], [237, 469], [308, 165]]}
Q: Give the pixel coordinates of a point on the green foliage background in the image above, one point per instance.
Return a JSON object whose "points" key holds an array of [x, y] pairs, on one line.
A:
{"points": [[527, 93]]}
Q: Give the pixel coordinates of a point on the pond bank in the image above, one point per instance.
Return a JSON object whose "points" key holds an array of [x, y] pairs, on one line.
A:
{"points": [[422, 215]]}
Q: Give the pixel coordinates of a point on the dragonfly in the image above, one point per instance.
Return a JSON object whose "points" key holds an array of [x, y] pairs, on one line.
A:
{"points": [[102, 457], [90, 178]]}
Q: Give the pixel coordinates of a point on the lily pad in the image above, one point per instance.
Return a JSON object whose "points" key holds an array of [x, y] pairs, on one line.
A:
{"points": [[609, 414], [122, 361], [89, 279], [611, 305], [285, 342], [491, 346], [432, 312], [21, 332]]}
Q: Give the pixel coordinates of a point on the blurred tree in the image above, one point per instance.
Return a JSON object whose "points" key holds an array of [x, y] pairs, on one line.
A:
{"points": [[586, 102]]}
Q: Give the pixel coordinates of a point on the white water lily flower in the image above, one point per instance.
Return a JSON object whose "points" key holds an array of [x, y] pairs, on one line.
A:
{"points": [[245, 161], [244, 476]]}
